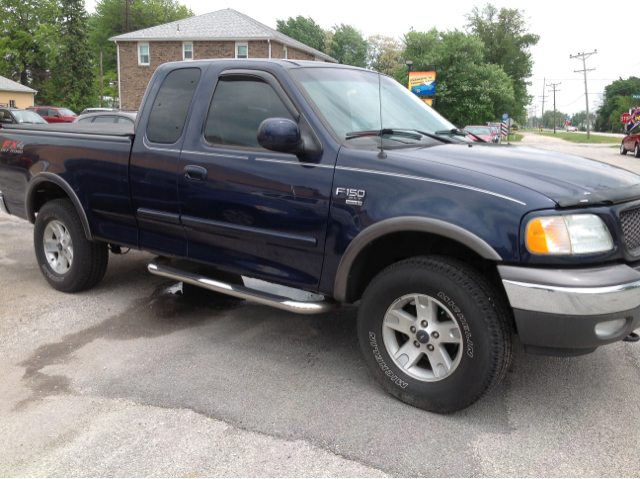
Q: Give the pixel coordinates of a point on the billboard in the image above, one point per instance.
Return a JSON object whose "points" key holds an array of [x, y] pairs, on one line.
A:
{"points": [[422, 83], [428, 101]]}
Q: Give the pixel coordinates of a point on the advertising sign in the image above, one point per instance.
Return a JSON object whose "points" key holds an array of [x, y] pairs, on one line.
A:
{"points": [[422, 83], [428, 101]]}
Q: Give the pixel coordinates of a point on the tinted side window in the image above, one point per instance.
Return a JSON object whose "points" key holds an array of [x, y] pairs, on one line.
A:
{"points": [[105, 119], [85, 120], [171, 106], [125, 121], [238, 106], [42, 111]]}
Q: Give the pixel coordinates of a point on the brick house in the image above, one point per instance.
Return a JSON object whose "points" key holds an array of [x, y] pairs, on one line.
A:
{"points": [[221, 34]]}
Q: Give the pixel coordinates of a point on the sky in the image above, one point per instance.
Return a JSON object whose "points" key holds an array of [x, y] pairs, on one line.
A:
{"points": [[565, 28]]}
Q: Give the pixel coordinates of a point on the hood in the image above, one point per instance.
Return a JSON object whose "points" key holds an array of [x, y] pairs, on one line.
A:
{"points": [[566, 179]]}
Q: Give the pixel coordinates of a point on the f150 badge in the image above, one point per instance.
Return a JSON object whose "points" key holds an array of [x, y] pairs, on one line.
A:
{"points": [[354, 197]]}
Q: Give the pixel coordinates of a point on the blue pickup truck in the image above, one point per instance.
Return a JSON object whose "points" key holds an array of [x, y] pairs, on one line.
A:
{"points": [[339, 181]]}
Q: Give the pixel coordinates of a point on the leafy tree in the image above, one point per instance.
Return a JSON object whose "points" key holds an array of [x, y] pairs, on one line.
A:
{"points": [[109, 21], [72, 76], [617, 100], [506, 41], [384, 54], [28, 39], [348, 46], [467, 88], [547, 119], [304, 30], [580, 118]]}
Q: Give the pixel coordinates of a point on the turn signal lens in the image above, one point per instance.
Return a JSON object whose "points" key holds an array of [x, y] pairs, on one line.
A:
{"points": [[548, 235], [570, 234]]}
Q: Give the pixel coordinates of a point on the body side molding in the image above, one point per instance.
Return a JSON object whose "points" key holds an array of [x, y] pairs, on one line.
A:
{"points": [[57, 180], [399, 224]]}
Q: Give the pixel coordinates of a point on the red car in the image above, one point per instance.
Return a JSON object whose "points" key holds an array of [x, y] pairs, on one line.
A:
{"points": [[54, 114], [480, 131]]}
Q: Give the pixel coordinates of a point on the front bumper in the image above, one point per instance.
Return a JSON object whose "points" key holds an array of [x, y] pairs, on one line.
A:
{"points": [[569, 312]]}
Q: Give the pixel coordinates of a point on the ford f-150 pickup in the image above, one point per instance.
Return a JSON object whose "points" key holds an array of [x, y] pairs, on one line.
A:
{"points": [[339, 181]]}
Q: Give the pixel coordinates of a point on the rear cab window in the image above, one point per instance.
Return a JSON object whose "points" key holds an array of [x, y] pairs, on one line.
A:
{"points": [[171, 106]]}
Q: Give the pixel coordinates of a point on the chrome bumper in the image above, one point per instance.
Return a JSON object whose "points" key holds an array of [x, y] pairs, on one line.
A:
{"points": [[572, 292], [3, 206]]}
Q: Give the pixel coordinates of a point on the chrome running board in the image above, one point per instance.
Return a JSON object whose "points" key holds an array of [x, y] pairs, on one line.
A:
{"points": [[268, 299]]}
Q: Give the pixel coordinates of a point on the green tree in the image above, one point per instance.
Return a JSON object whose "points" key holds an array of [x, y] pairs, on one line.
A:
{"points": [[72, 76], [109, 21], [28, 40], [617, 99], [384, 54], [304, 30], [467, 88], [348, 46], [506, 41], [547, 119]]}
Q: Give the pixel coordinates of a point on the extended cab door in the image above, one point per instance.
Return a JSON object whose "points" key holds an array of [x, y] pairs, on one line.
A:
{"points": [[154, 159], [244, 208]]}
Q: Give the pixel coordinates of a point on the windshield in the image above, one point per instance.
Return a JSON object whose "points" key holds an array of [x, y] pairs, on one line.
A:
{"points": [[66, 112], [24, 116], [349, 101], [478, 130]]}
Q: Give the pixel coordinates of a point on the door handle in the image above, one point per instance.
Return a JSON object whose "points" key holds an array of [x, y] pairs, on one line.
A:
{"points": [[195, 173]]}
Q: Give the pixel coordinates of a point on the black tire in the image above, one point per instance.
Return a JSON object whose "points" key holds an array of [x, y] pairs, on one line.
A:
{"points": [[636, 151], [623, 150], [89, 261], [483, 320]]}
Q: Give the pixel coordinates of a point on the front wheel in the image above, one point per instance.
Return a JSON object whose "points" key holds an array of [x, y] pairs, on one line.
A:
{"points": [[636, 151], [67, 259], [623, 150], [435, 333]]}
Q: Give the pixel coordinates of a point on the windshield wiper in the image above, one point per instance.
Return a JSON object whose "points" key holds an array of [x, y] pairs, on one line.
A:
{"points": [[424, 133], [459, 132], [383, 132]]}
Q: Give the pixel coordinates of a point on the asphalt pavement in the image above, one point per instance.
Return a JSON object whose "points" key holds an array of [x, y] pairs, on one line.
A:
{"points": [[133, 378]]}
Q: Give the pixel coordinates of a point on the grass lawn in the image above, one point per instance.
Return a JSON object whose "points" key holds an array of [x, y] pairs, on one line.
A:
{"points": [[580, 138], [512, 139]]}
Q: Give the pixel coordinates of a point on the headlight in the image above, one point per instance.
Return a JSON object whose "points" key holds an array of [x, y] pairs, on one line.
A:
{"points": [[568, 234]]}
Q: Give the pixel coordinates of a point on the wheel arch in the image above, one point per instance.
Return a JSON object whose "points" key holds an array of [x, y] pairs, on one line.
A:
{"points": [[48, 186], [354, 272]]}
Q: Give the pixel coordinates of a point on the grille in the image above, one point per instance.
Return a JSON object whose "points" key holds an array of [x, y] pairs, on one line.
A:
{"points": [[630, 220]]}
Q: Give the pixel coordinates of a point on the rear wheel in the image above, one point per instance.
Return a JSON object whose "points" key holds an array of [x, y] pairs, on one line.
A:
{"points": [[435, 333], [636, 151], [67, 259]]}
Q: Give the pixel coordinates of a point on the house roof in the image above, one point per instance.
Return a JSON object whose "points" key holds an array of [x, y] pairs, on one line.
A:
{"points": [[225, 24], [10, 85]]}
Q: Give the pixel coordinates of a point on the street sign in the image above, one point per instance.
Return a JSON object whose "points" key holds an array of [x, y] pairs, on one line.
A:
{"points": [[635, 96], [505, 116], [567, 122], [510, 122], [625, 118]]}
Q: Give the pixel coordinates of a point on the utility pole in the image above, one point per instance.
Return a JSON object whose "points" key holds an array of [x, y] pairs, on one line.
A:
{"points": [[126, 16], [101, 92], [554, 85], [583, 57], [544, 81]]}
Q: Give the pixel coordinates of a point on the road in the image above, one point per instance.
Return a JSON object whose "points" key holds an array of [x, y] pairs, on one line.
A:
{"points": [[134, 379]]}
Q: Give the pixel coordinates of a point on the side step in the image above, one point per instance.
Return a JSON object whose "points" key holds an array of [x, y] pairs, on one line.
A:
{"points": [[268, 299]]}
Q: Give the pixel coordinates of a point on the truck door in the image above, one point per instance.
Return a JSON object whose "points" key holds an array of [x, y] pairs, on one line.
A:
{"points": [[154, 160], [244, 208]]}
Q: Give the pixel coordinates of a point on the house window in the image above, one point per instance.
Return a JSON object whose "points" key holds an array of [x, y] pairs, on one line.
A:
{"points": [[242, 50], [187, 51], [285, 54], [12, 103], [143, 53]]}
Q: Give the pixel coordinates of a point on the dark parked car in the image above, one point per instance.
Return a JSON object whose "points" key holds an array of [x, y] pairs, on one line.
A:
{"points": [[338, 180], [54, 114], [16, 115], [112, 116]]}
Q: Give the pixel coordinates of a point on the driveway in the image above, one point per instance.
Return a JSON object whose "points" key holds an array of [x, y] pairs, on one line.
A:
{"points": [[134, 379]]}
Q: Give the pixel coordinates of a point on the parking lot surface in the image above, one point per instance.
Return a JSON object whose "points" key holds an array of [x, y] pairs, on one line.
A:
{"points": [[133, 378]]}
